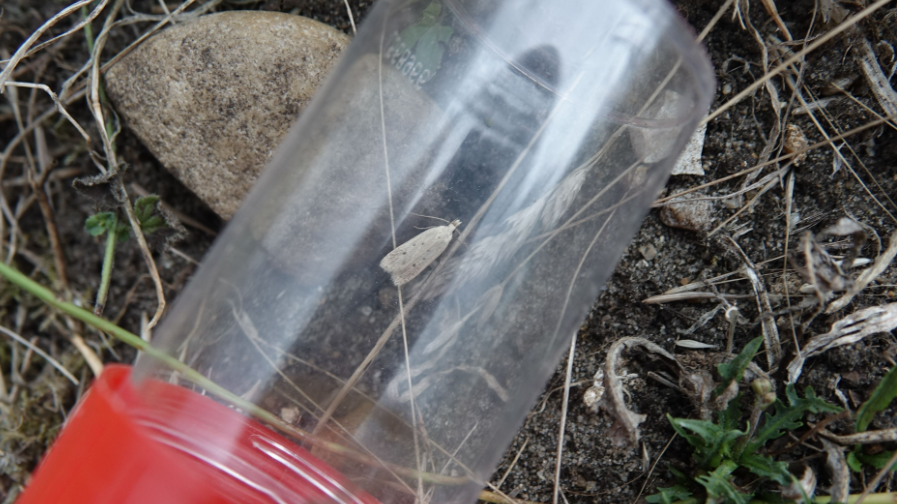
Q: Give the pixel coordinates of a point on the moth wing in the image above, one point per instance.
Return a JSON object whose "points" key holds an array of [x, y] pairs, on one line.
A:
{"points": [[409, 259]]}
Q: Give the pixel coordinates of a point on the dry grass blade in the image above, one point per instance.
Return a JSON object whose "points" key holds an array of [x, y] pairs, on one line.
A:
{"points": [[785, 157], [878, 82], [38, 181], [881, 264], [563, 421], [26, 46], [351, 17], [78, 26], [848, 330], [92, 359], [865, 437], [716, 17], [625, 428], [771, 340], [840, 473], [512, 464], [20, 137], [846, 24], [690, 296], [59, 107], [147, 255], [53, 362], [770, 6]]}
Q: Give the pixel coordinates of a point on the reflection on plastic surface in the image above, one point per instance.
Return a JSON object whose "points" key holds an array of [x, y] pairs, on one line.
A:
{"points": [[546, 128]]}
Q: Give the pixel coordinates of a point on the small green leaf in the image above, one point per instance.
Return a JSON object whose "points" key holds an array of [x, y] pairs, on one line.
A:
{"points": [[669, 495], [718, 484], [767, 497], [877, 461], [429, 48], [853, 461], [122, 232], [427, 37], [154, 223], [882, 396], [97, 224], [143, 210], [766, 467], [734, 370], [787, 418], [144, 207], [711, 443], [679, 475], [729, 417]]}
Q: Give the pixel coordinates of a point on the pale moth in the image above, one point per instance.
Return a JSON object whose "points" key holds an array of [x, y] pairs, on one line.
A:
{"points": [[407, 260]]}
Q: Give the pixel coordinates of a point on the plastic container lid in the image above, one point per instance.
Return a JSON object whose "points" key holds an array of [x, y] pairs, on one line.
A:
{"points": [[115, 450]]}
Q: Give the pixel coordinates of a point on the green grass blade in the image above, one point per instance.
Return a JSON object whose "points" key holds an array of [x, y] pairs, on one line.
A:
{"points": [[881, 398]]}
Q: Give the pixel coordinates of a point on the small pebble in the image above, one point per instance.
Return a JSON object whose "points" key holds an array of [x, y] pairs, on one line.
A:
{"points": [[795, 141], [689, 162], [290, 415], [687, 214], [649, 252]]}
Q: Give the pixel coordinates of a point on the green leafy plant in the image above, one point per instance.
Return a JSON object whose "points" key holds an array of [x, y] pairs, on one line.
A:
{"points": [[669, 495], [734, 370], [723, 448], [108, 223], [881, 398], [100, 223], [427, 37], [144, 210]]}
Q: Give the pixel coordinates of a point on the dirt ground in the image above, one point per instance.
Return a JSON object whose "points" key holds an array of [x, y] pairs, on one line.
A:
{"points": [[35, 400]]}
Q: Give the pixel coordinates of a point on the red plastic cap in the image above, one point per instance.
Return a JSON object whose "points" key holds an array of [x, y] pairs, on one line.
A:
{"points": [[183, 449]]}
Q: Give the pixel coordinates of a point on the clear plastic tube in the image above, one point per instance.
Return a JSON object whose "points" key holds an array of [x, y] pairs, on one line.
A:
{"points": [[546, 128]]}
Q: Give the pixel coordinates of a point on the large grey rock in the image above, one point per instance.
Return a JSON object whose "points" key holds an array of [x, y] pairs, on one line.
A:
{"points": [[212, 98]]}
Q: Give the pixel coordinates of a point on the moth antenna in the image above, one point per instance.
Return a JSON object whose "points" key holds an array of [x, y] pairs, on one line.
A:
{"points": [[429, 217]]}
